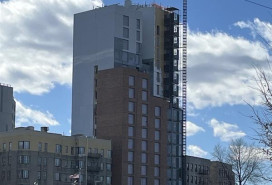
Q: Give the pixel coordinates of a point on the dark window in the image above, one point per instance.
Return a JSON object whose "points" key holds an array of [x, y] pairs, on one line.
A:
{"points": [[125, 20]]}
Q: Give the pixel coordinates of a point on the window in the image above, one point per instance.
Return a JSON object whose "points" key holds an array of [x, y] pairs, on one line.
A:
{"points": [[175, 29], [138, 23], [144, 133], [108, 167], [143, 170], [144, 145], [144, 83], [156, 159], [4, 146], [138, 36], [158, 89], [81, 164], [125, 44], [44, 175], [156, 182], [144, 109], [130, 132], [108, 180], [10, 145], [157, 135], [23, 145], [23, 159], [156, 171], [130, 143], [143, 181], [45, 147], [175, 51], [158, 77], [138, 47], [157, 123], [158, 30], [175, 16], [9, 160], [44, 161], [144, 158], [125, 32], [131, 119], [38, 175], [144, 96], [124, 57], [131, 93], [125, 20], [130, 180], [156, 147], [101, 151], [175, 40], [144, 121], [130, 169], [39, 146], [131, 106], [130, 156], [39, 160], [58, 148], [57, 176], [81, 150], [109, 153], [157, 111], [57, 162], [23, 174]]}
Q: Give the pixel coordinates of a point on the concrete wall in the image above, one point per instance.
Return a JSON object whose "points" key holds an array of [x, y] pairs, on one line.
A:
{"points": [[94, 33]]}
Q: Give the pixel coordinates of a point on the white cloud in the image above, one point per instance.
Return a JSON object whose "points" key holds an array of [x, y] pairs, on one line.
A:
{"points": [[258, 28], [196, 151], [36, 42], [220, 69], [26, 116], [226, 131], [192, 128]]}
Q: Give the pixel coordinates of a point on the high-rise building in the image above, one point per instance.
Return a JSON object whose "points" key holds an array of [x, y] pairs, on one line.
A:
{"points": [[38, 157], [7, 108], [118, 49]]}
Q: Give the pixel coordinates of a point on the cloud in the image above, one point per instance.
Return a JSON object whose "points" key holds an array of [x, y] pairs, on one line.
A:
{"points": [[258, 28], [220, 69], [192, 129], [36, 42], [226, 131], [27, 116], [196, 151]]}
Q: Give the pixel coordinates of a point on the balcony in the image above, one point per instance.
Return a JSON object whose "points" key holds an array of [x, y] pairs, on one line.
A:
{"points": [[93, 168], [94, 155]]}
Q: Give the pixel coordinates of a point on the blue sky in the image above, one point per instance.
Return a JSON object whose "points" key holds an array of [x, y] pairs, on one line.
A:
{"points": [[223, 44]]}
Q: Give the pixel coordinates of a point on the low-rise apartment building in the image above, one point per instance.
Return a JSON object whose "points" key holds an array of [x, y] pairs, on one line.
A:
{"points": [[205, 172], [38, 157]]}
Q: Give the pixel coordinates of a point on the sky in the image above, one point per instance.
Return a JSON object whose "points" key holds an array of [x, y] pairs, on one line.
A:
{"points": [[225, 43]]}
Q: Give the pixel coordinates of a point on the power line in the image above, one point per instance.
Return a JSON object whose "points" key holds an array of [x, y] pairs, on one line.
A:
{"points": [[259, 4]]}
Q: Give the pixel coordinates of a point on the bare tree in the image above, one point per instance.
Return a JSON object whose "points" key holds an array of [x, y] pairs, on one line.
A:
{"points": [[263, 115], [246, 161]]}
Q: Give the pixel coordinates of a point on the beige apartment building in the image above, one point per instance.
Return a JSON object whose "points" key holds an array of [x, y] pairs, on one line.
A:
{"points": [[37, 157]]}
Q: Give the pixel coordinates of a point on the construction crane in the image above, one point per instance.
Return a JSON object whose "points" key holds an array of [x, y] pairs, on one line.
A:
{"points": [[184, 88]]}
